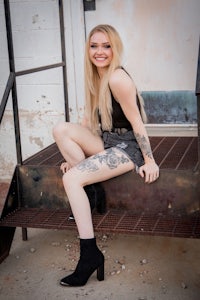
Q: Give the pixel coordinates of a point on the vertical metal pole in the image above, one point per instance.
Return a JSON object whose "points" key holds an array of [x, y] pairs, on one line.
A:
{"points": [[198, 104], [63, 51], [14, 88], [198, 118]]}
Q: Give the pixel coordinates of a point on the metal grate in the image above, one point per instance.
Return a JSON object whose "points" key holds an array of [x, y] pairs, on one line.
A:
{"points": [[175, 152], [169, 152], [113, 220]]}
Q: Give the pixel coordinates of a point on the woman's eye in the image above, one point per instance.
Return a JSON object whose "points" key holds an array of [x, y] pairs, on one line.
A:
{"points": [[105, 46]]}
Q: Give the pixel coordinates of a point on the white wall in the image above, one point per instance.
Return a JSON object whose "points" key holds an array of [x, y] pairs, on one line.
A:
{"points": [[161, 39], [160, 42]]}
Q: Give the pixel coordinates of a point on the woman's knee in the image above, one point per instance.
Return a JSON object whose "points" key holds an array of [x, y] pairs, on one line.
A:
{"points": [[60, 129], [71, 178]]}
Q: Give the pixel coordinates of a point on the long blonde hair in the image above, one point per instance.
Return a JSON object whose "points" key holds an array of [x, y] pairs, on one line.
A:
{"points": [[97, 93]]}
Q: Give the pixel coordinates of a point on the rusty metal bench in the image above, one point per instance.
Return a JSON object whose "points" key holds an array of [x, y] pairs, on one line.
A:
{"points": [[169, 207]]}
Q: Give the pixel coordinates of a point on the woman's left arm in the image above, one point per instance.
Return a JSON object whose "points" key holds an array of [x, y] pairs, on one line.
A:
{"points": [[124, 91]]}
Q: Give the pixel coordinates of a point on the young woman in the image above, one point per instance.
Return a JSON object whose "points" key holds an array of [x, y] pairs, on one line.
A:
{"points": [[111, 141]]}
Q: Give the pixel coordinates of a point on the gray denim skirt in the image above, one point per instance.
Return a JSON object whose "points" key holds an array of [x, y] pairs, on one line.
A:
{"points": [[127, 143]]}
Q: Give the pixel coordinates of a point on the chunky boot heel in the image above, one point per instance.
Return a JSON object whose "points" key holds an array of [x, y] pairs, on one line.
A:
{"points": [[91, 259], [100, 272]]}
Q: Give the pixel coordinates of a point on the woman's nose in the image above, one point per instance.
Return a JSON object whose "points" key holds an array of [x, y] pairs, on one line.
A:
{"points": [[99, 49]]}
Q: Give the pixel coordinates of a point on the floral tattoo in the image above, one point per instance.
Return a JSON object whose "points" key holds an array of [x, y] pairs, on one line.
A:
{"points": [[110, 158]]}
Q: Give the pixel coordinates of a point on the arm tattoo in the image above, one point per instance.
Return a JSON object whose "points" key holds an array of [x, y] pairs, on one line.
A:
{"points": [[144, 145], [109, 158]]}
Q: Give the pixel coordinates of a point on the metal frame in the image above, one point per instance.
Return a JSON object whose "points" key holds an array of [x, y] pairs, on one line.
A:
{"points": [[11, 83], [198, 103]]}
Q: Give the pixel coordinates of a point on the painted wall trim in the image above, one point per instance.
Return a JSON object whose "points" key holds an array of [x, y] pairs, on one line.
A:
{"points": [[172, 129]]}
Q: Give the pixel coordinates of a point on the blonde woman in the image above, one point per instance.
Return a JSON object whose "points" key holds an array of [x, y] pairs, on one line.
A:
{"points": [[111, 141]]}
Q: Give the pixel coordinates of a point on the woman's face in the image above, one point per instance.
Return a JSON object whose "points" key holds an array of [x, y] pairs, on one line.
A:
{"points": [[100, 51]]}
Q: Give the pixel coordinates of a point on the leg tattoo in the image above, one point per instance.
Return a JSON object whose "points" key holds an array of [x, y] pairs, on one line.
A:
{"points": [[110, 158], [87, 165]]}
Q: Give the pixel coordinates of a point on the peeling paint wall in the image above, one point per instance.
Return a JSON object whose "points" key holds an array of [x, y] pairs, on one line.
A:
{"points": [[161, 47], [36, 39], [171, 107]]}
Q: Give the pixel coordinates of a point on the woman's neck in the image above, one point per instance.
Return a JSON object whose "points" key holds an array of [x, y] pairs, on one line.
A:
{"points": [[101, 72]]}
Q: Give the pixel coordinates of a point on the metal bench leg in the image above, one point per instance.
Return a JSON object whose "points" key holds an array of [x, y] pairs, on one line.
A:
{"points": [[24, 234]]}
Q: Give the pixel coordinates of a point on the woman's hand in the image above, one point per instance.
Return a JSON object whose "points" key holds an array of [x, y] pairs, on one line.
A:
{"points": [[65, 166], [149, 171]]}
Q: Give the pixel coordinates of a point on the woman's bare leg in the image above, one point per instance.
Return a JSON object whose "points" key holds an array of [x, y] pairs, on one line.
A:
{"points": [[76, 142], [102, 166]]}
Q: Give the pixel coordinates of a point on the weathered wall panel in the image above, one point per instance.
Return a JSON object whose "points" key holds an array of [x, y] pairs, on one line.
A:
{"points": [[171, 107]]}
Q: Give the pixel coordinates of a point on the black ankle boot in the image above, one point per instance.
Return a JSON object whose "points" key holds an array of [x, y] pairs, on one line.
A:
{"points": [[91, 259], [97, 198]]}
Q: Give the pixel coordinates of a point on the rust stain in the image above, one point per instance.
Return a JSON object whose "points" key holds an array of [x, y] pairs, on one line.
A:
{"points": [[181, 182]]}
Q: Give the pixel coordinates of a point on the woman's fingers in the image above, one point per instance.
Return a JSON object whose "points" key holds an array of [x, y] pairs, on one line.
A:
{"points": [[150, 172], [65, 167]]}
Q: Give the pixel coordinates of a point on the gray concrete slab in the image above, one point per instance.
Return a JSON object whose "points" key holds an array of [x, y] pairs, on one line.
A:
{"points": [[136, 267]]}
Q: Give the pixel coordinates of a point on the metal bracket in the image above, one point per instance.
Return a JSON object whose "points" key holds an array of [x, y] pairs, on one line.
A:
{"points": [[89, 5]]}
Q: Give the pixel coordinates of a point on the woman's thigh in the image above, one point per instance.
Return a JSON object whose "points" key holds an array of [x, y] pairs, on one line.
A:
{"points": [[105, 165], [89, 143]]}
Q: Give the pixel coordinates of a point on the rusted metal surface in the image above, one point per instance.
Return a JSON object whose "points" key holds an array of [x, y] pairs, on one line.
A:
{"points": [[4, 188], [175, 152], [177, 191], [168, 207], [170, 153], [114, 220], [50, 156], [41, 187]]}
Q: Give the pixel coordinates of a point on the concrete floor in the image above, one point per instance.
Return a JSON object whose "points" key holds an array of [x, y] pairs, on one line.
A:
{"points": [[136, 267]]}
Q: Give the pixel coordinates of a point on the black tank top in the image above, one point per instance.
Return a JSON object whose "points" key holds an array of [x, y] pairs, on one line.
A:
{"points": [[119, 119]]}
